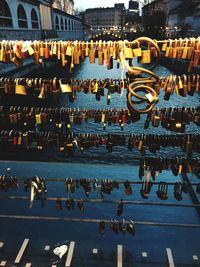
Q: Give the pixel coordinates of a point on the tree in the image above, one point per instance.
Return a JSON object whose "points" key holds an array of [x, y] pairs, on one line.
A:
{"points": [[155, 23], [79, 12]]}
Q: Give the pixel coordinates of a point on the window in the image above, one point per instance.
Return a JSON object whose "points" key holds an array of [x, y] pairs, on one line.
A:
{"points": [[57, 23], [45, 15], [69, 21], [34, 19], [61, 24], [22, 19], [5, 15], [66, 25]]}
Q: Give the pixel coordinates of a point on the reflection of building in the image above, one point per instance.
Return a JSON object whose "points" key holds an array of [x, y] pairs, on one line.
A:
{"points": [[106, 18], [31, 19]]}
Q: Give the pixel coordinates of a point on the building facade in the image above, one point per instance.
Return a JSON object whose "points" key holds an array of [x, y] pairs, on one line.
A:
{"points": [[19, 20], [64, 5], [39, 19], [180, 14], [68, 26], [133, 6], [185, 18], [110, 18], [164, 5], [133, 19]]}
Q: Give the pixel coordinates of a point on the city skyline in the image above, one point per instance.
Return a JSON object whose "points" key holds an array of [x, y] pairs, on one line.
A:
{"points": [[84, 4]]}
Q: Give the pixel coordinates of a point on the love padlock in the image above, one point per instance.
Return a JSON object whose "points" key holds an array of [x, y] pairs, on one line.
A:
{"points": [[60, 251]]}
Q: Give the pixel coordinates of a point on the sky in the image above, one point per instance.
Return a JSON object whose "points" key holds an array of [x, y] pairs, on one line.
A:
{"points": [[84, 4]]}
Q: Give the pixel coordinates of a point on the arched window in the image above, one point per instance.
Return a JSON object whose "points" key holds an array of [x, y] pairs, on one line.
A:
{"points": [[57, 23], [61, 24], [22, 19], [66, 25], [34, 19], [5, 15]]}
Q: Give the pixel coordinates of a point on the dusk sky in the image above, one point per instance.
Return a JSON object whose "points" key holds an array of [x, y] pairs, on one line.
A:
{"points": [[84, 4]]}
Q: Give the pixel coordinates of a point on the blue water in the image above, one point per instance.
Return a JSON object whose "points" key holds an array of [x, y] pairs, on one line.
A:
{"points": [[154, 240]]}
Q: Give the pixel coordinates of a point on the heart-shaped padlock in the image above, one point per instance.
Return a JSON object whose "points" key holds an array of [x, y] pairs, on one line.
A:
{"points": [[60, 251]]}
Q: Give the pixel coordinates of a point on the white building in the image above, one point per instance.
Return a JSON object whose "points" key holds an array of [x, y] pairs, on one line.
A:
{"points": [[110, 18], [64, 5], [39, 19]]}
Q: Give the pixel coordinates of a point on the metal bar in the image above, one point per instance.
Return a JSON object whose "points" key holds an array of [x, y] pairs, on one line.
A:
{"points": [[99, 180], [21, 251], [103, 201], [104, 42], [48, 218], [63, 109], [170, 257], [70, 254], [119, 255], [55, 135]]}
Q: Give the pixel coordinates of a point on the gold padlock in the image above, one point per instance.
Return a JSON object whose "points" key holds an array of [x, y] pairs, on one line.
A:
{"points": [[95, 88], [92, 56], [146, 57], [38, 118], [164, 46], [137, 52], [185, 50], [128, 52], [2, 53], [19, 89], [65, 87], [100, 57], [42, 92]]}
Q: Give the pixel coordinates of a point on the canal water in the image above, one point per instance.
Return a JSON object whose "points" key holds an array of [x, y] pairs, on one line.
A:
{"points": [[184, 242]]}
